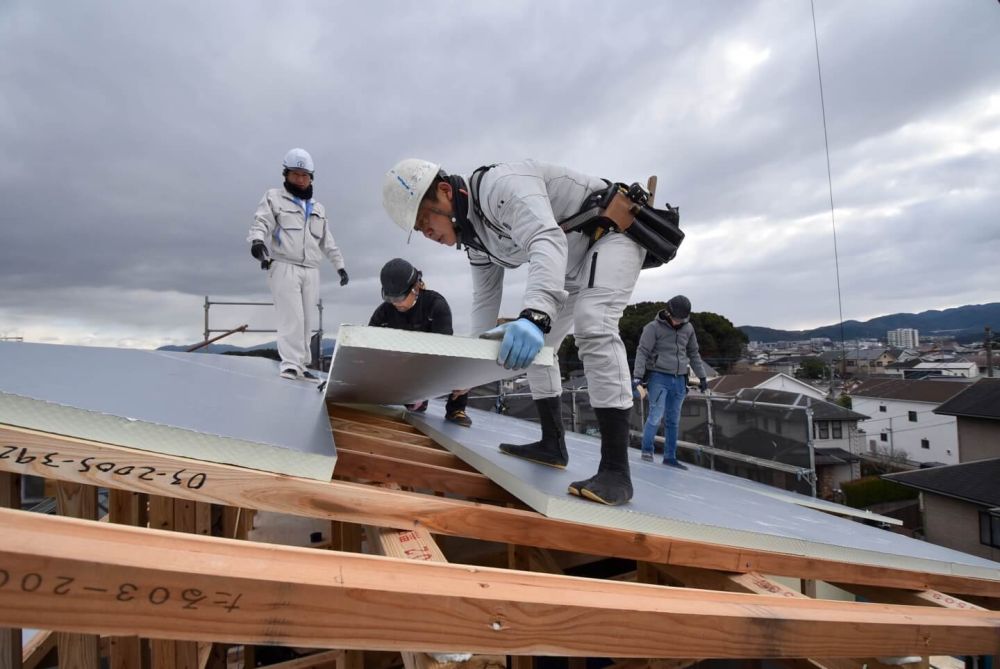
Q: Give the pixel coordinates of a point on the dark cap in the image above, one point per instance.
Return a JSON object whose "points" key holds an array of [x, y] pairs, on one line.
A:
{"points": [[679, 307], [398, 277]]}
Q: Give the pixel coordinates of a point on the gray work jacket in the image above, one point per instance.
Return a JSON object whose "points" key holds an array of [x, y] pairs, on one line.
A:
{"points": [[280, 223], [522, 202], [665, 349]]}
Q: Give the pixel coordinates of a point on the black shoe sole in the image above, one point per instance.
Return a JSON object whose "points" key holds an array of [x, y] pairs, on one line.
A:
{"points": [[540, 462]]}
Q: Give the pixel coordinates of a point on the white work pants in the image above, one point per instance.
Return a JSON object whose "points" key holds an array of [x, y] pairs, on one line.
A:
{"points": [[598, 293], [295, 290]]}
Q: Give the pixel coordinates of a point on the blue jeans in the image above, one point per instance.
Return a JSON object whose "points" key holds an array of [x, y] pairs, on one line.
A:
{"points": [[666, 395]]}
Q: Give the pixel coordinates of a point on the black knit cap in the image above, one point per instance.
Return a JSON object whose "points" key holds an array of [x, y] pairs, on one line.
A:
{"points": [[398, 277], [679, 307]]}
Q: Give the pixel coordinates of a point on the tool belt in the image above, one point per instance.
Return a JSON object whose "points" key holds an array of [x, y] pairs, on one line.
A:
{"points": [[626, 209]]}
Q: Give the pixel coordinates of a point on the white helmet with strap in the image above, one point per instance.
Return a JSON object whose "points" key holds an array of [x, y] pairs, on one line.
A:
{"points": [[298, 159], [404, 187]]}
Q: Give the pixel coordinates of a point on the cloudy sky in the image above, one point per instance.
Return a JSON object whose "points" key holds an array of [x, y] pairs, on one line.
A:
{"points": [[137, 138]]}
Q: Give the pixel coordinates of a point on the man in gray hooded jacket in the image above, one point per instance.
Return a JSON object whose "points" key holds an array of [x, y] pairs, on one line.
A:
{"points": [[667, 347]]}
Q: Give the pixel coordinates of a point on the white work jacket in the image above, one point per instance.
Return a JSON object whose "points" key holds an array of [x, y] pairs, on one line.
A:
{"points": [[522, 202], [280, 223]]}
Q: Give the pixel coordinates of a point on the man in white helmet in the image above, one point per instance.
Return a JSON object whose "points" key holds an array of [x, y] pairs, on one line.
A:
{"points": [[290, 235], [505, 216]]}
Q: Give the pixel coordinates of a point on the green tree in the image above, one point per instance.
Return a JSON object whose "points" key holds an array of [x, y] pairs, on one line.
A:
{"points": [[720, 342], [812, 368]]}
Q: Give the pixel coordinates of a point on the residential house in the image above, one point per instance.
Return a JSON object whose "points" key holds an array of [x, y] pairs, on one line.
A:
{"points": [[729, 384], [901, 368], [903, 423], [960, 505], [860, 361], [984, 362], [956, 368], [769, 424], [977, 411]]}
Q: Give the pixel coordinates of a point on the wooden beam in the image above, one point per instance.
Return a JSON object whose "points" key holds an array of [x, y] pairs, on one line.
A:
{"points": [[77, 651], [126, 508], [36, 650], [327, 659], [383, 469], [398, 436], [368, 418], [165, 513], [179, 586], [190, 479], [10, 638], [909, 597], [367, 443], [758, 584]]}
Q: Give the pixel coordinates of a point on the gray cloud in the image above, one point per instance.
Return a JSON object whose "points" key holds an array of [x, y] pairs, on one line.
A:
{"points": [[136, 140]]}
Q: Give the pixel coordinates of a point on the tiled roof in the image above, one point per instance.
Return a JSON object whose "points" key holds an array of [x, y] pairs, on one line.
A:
{"points": [[912, 390], [730, 383], [822, 410], [980, 400], [971, 481]]}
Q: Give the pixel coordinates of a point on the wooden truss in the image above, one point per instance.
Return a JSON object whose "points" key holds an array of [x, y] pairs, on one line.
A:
{"points": [[429, 556]]}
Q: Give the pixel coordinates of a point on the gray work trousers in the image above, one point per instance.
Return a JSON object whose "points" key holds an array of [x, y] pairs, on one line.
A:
{"points": [[599, 289], [295, 290]]}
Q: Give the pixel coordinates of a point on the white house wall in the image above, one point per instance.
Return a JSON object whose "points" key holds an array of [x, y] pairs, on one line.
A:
{"points": [[940, 431]]}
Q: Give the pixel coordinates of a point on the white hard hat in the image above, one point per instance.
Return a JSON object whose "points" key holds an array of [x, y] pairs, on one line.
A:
{"points": [[299, 159], [404, 188]]}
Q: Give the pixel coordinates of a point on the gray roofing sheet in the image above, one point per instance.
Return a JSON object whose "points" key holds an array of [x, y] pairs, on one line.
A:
{"points": [[697, 504], [228, 409], [386, 366]]}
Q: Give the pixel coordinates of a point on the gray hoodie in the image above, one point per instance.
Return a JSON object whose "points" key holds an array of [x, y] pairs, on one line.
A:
{"points": [[663, 348]]}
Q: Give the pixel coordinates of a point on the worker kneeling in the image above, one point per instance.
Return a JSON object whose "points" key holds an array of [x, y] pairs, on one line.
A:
{"points": [[407, 304], [505, 216]]}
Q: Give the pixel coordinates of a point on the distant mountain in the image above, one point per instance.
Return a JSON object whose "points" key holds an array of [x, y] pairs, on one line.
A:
{"points": [[328, 346], [964, 323]]}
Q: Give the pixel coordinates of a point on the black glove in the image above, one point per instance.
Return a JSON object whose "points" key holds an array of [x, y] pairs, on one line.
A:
{"points": [[703, 384], [259, 251], [343, 276]]}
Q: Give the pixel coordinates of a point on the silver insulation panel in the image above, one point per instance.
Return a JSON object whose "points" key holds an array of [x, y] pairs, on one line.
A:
{"points": [[226, 409], [385, 366], [698, 504]]}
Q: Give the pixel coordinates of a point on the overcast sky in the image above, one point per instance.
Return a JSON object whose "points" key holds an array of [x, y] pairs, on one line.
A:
{"points": [[137, 138]]}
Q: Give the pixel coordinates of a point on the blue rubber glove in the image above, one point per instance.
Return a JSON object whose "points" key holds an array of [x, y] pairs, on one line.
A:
{"points": [[522, 340]]}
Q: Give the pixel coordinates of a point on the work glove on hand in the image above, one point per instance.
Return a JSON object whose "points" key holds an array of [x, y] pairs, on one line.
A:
{"points": [[343, 276], [703, 384], [259, 251], [522, 340], [638, 389]]}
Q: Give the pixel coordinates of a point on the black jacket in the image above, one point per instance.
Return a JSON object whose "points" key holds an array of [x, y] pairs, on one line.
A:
{"points": [[431, 313]]}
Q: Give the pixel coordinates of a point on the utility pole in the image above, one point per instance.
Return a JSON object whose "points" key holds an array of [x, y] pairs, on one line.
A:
{"points": [[989, 352]]}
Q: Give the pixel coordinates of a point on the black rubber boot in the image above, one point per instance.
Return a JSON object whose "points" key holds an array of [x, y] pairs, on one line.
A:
{"points": [[612, 484], [551, 450]]}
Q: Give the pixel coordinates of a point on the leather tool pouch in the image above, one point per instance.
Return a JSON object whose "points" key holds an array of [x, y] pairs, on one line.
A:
{"points": [[656, 230]]}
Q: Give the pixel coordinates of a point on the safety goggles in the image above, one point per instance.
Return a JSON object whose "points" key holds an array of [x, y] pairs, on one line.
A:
{"points": [[398, 299]]}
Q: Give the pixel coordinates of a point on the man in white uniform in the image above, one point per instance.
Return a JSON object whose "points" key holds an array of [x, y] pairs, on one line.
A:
{"points": [[505, 216], [290, 235]]}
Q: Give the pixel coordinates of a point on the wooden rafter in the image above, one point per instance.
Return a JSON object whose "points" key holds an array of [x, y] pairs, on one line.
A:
{"points": [[114, 579], [384, 469], [235, 486], [358, 439]]}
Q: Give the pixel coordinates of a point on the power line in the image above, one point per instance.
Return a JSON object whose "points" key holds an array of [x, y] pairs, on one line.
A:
{"points": [[829, 180]]}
